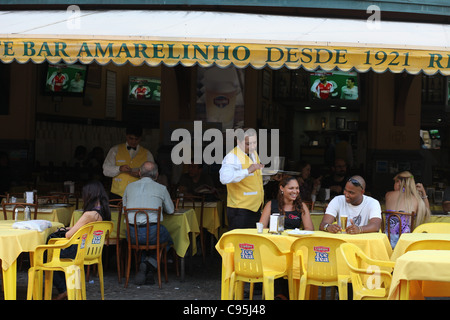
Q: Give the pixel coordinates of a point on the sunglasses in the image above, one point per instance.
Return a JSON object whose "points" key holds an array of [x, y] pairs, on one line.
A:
{"points": [[355, 182]]}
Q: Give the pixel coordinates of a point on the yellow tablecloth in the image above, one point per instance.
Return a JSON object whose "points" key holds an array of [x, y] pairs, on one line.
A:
{"points": [[407, 238], [423, 265], [375, 245], [54, 214], [12, 243], [180, 225], [212, 213]]}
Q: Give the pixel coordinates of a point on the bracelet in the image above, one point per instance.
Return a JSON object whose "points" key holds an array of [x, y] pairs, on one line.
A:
{"points": [[424, 197]]}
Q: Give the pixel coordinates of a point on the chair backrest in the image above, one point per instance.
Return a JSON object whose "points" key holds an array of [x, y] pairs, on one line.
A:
{"points": [[81, 238], [20, 206], [133, 224], [433, 227], [360, 267], [100, 231], [320, 257], [248, 254], [393, 220], [50, 199], [429, 244]]}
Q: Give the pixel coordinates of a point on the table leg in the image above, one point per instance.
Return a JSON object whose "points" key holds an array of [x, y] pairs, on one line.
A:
{"points": [[182, 267], [10, 281]]}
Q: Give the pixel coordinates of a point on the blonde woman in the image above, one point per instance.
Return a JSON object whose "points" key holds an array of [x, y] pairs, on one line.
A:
{"points": [[408, 197]]}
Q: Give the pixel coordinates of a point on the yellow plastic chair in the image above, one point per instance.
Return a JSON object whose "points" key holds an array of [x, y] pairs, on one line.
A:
{"points": [[73, 268], [430, 244], [362, 267], [318, 263], [433, 227], [94, 252], [252, 256]]}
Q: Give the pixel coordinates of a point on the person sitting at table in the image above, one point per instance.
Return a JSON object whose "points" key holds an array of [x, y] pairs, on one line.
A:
{"points": [[289, 204], [337, 180], [363, 212], [409, 197], [308, 185], [147, 193], [95, 208], [196, 182]]}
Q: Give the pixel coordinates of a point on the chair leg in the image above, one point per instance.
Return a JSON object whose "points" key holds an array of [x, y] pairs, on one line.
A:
{"points": [[48, 285], [127, 276], [118, 261], [158, 264], [31, 283], [100, 278]]}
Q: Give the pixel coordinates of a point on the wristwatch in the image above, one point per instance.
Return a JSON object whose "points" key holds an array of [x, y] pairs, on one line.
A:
{"points": [[325, 227]]}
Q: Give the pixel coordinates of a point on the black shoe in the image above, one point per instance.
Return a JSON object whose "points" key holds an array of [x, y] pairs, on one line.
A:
{"points": [[149, 279], [141, 275]]}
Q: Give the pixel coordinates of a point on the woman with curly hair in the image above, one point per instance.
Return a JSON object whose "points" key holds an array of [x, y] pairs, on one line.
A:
{"points": [[289, 204], [407, 196]]}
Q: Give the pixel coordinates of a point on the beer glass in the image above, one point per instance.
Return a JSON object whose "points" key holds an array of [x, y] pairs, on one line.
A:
{"points": [[343, 223]]}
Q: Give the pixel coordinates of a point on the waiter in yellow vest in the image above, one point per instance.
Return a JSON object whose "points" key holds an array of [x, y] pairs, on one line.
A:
{"points": [[241, 173], [124, 160]]}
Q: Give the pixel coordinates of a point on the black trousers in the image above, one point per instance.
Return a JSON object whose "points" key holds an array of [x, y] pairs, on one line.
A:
{"points": [[242, 218]]}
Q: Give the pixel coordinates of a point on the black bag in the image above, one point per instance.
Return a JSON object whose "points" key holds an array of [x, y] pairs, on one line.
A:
{"points": [[60, 233]]}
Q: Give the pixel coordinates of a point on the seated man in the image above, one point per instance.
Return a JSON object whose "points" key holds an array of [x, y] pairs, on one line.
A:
{"points": [[196, 182], [337, 180], [363, 212], [147, 193]]}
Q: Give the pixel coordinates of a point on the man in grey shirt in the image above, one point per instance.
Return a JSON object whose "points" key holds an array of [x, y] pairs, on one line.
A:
{"points": [[147, 193]]}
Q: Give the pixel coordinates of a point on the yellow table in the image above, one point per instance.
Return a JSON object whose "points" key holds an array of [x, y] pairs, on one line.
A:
{"points": [[414, 268], [180, 225], [212, 213], [12, 243], [54, 213], [407, 238], [375, 245], [439, 218]]}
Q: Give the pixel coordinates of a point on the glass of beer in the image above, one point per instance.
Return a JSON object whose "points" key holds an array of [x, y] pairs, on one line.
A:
{"points": [[343, 223]]}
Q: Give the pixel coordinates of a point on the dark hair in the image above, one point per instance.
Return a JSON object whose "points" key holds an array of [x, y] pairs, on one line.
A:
{"points": [[93, 193], [297, 202], [134, 129]]}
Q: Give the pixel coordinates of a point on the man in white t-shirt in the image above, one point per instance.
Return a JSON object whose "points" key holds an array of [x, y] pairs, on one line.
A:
{"points": [[363, 212]]}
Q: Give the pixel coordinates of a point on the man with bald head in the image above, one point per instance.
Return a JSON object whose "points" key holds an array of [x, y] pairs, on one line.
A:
{"points": [[147, 193], [363, 212]]}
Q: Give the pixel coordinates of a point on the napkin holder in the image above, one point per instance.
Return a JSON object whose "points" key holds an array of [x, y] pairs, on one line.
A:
{"points": [[276, 223]]}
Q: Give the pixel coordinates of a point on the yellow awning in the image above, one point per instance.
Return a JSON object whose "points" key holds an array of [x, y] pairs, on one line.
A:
{"points": [[207, 38]]}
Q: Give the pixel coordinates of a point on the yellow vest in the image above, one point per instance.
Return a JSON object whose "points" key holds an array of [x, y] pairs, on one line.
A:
{"points": [[247, 193], [120, 182]]}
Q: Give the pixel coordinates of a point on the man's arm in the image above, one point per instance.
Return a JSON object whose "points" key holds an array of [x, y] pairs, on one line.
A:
{"points": [[329, 219], [109, 165], [232, 172]]}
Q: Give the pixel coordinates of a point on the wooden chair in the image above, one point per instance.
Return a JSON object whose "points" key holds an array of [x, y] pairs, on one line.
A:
{"points": [[191, 202], [49, 199], [388, 216], [116, 204], [20, 206], [161, 248], [66, 197]]}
